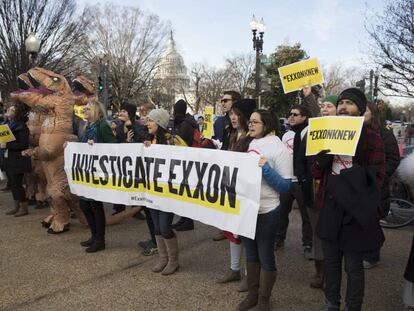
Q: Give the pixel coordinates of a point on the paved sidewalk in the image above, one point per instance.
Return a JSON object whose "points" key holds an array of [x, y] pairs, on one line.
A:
{"points": [[46, 272]]}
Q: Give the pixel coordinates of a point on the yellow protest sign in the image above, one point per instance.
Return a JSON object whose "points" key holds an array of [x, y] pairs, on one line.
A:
{"points": [[338, 134], [79, 110], [6, 134], [301, 74], [208, 122]]}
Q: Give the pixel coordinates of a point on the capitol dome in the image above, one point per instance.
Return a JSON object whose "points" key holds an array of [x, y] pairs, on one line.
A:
{"points": [[171, 64]]}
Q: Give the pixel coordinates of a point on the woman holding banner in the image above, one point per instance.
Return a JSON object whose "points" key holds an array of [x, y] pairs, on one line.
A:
{"points": [[97, 131], [164, 235], [14, 163], [276, 164], [239, 141]]}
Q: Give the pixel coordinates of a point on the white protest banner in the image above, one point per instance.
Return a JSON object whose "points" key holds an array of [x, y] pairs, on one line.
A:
{"points": [[219, 188]]}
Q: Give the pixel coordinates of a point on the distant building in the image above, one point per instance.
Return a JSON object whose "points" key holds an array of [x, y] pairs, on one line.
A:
{"points": [[171, 80]]}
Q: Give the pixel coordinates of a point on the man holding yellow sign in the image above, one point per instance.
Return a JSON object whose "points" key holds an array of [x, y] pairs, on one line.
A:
{"points": [[301, 74], [348, 197]]}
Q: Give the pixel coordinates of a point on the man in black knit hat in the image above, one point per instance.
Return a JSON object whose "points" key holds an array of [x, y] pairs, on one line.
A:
{"points": [[184, 126], [349, 199]]}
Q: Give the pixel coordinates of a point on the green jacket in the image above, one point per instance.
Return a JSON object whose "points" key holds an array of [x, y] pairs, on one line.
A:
{"points": [[104, 133]]}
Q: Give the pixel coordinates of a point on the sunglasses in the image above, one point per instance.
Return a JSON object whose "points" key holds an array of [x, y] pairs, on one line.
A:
{"points": [[292, 114], [225, 100]]}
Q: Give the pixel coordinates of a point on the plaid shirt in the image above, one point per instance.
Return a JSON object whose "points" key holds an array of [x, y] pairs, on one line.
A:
{"points": [[375, 157]]}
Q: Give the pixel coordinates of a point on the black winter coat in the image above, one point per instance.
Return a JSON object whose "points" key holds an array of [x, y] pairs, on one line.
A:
{"points": [[350, 214], [140, 131], [184, 127], [392, 160], [15, 163], [409, 270]]}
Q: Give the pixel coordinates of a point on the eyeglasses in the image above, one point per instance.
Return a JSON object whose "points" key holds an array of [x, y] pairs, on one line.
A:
{"points": [[292, 114], [225, 100], [253, 122], [87, 109]]}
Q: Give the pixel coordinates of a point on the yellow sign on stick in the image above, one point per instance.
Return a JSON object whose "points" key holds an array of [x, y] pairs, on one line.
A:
{"points": [[208, 122], [298, 75], [6, 134], [338, 134], [79, 110]]}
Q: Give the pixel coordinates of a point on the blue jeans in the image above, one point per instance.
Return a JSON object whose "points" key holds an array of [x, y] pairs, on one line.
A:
{"points": [[162, 223], [261, 249]]}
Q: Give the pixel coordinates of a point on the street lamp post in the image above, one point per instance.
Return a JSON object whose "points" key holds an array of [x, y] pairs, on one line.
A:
{"points": [[257, 27], [32, 44]]}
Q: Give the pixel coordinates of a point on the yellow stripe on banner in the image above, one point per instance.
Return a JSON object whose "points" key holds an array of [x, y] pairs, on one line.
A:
{"points": [[165, 193]]}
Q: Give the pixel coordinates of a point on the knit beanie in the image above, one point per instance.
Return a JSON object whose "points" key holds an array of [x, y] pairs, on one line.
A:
{"points": [[333, 99], [180, 108], [160, 116], [245, 106], [357, 96], [131, 109]]}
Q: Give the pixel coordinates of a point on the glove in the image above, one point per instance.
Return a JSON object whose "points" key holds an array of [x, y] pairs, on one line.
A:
{"points": [[323, 159]]}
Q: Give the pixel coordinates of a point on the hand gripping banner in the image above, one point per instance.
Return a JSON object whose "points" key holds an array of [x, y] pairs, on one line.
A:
{"points": [[218, 188]]}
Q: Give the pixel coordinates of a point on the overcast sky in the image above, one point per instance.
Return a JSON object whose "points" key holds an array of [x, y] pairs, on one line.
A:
{"points": [[207, 31]]}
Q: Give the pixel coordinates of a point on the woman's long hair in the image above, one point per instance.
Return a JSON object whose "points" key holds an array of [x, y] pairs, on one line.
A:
{"points": [[161, 136], [97, 110], [375, 123], [21, 112]]}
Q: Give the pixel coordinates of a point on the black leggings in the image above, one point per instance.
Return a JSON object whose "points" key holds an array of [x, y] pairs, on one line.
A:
{"points": [[16, 185], [95, 216]]}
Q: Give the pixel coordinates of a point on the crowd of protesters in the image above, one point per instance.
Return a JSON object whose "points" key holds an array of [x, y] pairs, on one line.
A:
{"points": [[334, 227]]}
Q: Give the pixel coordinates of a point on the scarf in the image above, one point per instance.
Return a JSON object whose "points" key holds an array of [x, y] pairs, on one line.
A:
{"points": [[90, 133]]}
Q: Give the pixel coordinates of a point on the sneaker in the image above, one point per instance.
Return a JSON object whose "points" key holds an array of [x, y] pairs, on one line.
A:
{"points": [[150, 250], [219, 236], [144, 244], [307, 252], [369, 265], [279, 245]]}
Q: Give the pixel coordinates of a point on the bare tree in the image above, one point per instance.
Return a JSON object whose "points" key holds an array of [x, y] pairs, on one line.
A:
{"points": [[392, 47], [337, 78], [57, 26], [214, 81], [240, 69], [133, 40]]}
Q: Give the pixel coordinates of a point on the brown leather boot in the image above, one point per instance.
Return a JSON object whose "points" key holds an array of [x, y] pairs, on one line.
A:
{"points": [[15, 209], [267, 280], [253, 277], [162, 254], [318, 278], [23, 210], [243, 283], [172, 251]]}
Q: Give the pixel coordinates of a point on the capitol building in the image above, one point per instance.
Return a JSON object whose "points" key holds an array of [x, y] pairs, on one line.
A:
{"points": [[171, 79]]}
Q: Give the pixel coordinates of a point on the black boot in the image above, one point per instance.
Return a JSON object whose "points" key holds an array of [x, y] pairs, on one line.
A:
{"points": [[179, 222], [187, 225], [88, 242], [96, 246], [99, 218]]}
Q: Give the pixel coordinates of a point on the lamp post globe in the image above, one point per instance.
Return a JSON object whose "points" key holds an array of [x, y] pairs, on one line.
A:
{"points": [[32, 44]]}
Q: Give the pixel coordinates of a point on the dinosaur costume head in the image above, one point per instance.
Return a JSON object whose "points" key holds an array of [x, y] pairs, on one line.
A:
{"points": [[83, 90], [24, 82], [47, 82]]}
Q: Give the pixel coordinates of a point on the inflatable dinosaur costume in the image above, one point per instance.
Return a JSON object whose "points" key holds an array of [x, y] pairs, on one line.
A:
{"points": [[52, 92], [36, 180]]}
